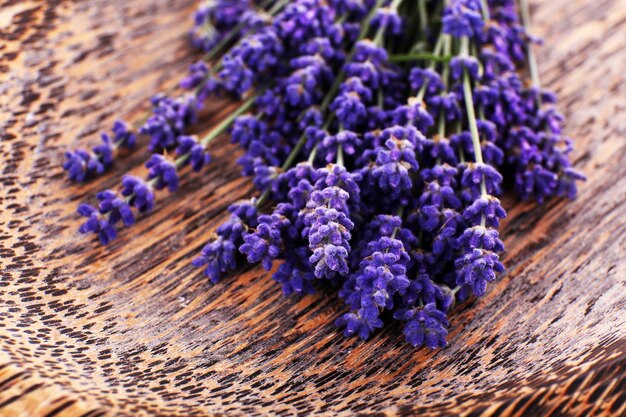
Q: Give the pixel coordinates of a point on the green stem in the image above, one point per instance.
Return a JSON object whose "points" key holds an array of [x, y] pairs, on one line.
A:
{"points": [[224, 124], [294, 152], [441, 128], [469, 106], [263, 198], [312, 156], [424, 56], [423, 14], [485, 9], [447, 45], [276, 8], [471, 120], [339, 155], [532, 61]]}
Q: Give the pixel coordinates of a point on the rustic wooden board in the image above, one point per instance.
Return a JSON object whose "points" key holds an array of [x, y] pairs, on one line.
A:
{"points": [[133, 329]]}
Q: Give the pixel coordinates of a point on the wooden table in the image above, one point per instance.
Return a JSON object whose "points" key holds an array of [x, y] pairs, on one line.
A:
{"points": [[134, 330]]}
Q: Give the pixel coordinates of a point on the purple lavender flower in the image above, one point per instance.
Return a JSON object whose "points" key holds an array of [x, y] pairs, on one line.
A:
{"points": [[481, 237], [478, 172], [446, 104], [138, 193], [414, 113], [163, 171], [347, 140], [381, 275], [95, 224], [462, 18], [338, 176], [387, 19], [392, 164], [305, 86], [350, 104], [266, 243], [264, 175], [367, 64], [236, 77], [295, 275], [459, 64], [567, 182], [169, 120], [439, 193], [295, 185], [81, 164], [427, 78], [302, 20], [487, 208], [215, 18], [425, 326], [477, 267], [112, 209], [329, 232], [219, 256], [247, 129], [494, 63], [116, 208], [198, 73], [204, 35], [424, 290], [122, 136], [198, 156]]}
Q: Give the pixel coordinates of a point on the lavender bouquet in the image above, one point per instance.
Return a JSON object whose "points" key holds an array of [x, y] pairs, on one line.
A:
{"points": [[378, 134]]}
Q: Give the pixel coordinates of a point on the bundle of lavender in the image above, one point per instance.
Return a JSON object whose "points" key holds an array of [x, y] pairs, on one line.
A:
{"points": [[378, 134]]}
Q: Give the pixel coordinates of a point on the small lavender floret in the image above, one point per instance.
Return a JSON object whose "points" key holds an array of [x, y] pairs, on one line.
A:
{"points": [[462, 18], [198, 156], [425, 326], [476, 268], [111, 210], [138, 192], [123, 136], [295, 275], [218, 257], [488, 207], [328, 239], [388, 20], [115, 207], [481, 237], [346, 139], [446, 103], [266, 243], [170, 117], [80, 164], [367, 64], [350, 104], [95, 224], [414, 113], [164, 172], [460, 64], [477, 172], [198, 73], [431, 79]]}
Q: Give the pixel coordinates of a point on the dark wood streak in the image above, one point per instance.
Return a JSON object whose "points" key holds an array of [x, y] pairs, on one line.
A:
{"points": [[133, 329]]}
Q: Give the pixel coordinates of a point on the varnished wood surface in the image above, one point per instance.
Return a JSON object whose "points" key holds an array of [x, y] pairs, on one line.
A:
{"points": [[134, 330]]}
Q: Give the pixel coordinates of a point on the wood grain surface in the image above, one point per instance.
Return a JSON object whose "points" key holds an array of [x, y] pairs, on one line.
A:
{"points": [[134, 330]]}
